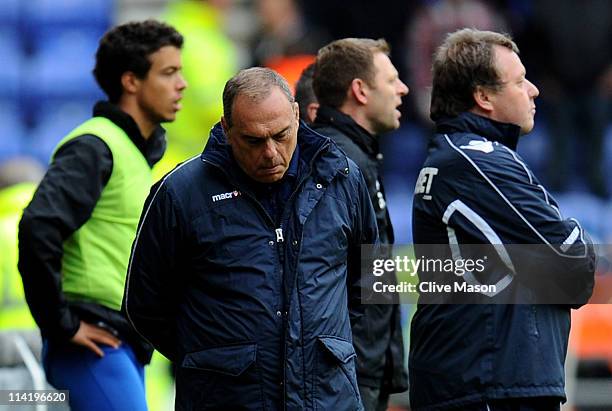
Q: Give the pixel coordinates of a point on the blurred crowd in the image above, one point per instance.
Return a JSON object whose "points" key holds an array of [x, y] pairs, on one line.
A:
{"points": [[46, 87]]}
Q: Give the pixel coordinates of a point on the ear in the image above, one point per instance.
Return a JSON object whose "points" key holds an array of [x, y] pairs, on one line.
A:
{"points": [[129, 82], [482, 97], [311, 111], [296, 111], [358, 90], [224, 125]]}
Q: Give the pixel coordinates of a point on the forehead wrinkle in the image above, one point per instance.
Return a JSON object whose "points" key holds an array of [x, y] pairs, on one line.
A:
{"points": [[261, 122]]}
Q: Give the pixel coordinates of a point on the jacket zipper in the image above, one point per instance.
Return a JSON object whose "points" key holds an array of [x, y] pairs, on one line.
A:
{"points": [[280, 239]]}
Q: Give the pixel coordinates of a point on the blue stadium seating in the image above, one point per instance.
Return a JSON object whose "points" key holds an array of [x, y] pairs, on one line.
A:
{"points": [[11, 63], [12, 130], [10, 13], [586, 208], [47, 52], [53, 125], [404, 149], [399, 191], [69, 11], [61, 70], [43, 16], [607, 157]]}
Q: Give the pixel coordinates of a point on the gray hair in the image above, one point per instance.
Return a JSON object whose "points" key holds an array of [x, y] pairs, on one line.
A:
{"points": [[256, 83]]}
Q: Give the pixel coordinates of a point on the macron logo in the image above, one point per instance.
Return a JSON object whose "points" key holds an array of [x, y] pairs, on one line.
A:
{"points": [[225, 196]]}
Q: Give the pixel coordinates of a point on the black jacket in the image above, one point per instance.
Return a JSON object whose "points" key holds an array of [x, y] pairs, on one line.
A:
{"points": [[62, 203], [475, 189], [380, 346], [255, 312]]}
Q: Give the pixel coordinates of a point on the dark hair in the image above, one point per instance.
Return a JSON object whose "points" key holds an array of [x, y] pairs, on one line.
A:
{"points": [[463, 62], [304, 93], [127, 48], [255, 83], [342, 61]]}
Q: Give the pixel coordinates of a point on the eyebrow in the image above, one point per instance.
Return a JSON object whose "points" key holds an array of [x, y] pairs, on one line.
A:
{"points": [[263, 138], [283, 131], [171, 67]]}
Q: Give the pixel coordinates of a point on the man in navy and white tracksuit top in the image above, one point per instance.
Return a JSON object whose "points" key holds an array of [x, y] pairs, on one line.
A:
{"points": [[475, 189]]}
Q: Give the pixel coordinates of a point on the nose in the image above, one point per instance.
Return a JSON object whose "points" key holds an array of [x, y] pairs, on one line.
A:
{"points": [[270, 152], [403, 88], [182, 83], [533, 90]]}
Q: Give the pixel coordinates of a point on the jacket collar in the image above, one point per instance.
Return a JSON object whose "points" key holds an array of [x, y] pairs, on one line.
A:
{"points": [[505, 133], [315, 150], [331, 117]]}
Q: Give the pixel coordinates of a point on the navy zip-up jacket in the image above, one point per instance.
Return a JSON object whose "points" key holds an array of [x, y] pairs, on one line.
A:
{"points": [[475, 189], [255, 314]]}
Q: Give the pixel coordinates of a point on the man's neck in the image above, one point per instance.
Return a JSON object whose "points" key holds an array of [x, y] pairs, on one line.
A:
{"points": [[358, 116], [145, 126]]}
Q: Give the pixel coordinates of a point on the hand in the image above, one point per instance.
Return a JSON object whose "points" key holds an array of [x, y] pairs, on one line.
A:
{"points": [[89, 335]]}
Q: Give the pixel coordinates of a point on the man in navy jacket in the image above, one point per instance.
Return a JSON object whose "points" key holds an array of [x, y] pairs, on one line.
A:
{"points": [[475, 189], [359, 91], [245, 267]]}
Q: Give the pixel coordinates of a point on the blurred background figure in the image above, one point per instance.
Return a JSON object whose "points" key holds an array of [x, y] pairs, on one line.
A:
{"points": [[283, 32], [571, 54], [20, 341], [305, 96], [209, 59], [285, 42], [47, 49], [431, 23], [19, 178]]}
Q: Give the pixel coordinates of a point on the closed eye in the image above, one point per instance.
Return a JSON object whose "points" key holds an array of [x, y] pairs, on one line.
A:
{"points": [[281, 137], [253, 141]]}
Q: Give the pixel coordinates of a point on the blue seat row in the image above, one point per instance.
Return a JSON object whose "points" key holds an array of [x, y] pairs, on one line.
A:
{"points": [[39, 13]]}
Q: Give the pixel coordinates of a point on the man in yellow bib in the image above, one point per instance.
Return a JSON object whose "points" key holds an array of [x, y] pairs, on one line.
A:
{"points": [[76, 234]]}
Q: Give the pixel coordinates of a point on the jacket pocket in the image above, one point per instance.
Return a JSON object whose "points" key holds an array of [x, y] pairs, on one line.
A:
{"points": [[335, 376], [225, 377]]}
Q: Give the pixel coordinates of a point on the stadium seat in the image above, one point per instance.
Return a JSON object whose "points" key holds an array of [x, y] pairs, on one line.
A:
{"points": [[62, 69], [399, 191], [69, 11], [9, 13], [52, 126], [45, 20], [586, 208], [12, 130], [404, 150], [43, 14], [607, 156], [11, 57]]}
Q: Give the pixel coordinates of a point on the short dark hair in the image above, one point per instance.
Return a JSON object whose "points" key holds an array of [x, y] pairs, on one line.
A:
{"points": [[342, 61], [304, 93], [464, 61], [127, 48], [255, 83]]}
